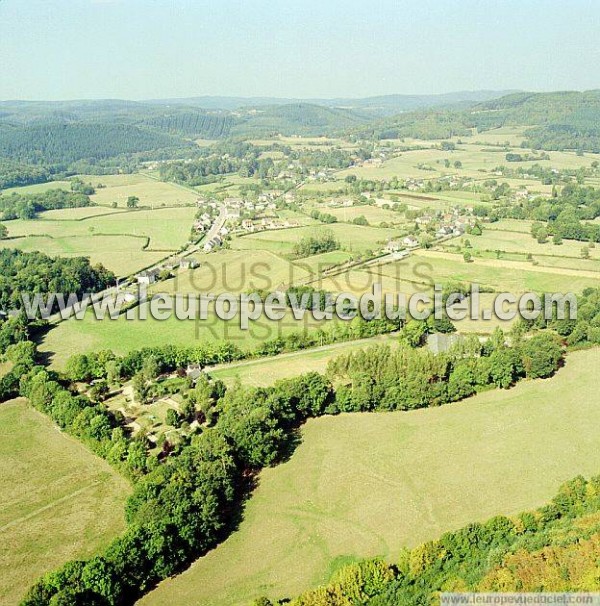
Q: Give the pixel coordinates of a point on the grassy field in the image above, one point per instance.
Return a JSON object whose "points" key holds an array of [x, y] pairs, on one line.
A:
{"points": [[122, 335], [373, 214], [123, 241], [153, 193], [353, 238], [266, 371], [370, 484], [38, 188], [58, 501], [524, 243], [431, 266], [236, 271]]}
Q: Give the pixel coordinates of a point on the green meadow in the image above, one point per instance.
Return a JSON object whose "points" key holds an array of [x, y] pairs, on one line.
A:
{"points": [[59, 501], [370, 484]]}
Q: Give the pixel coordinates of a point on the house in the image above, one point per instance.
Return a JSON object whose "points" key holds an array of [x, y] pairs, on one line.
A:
{"points": [[439, 343], [233, 212], [213, 243], [187, 263], [148, 277], [193, 372], [444, 231], [410, 242], [171, 264], [393, 246]]}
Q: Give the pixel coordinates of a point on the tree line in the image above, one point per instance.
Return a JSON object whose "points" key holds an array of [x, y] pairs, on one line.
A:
{"points": [[553, 548], [37, 273], [185, 504], [27, 206]]}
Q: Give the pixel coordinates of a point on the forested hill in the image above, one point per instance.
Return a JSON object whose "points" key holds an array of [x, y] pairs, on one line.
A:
{"points": [[562, 120], [559, 120], [91, 136]]}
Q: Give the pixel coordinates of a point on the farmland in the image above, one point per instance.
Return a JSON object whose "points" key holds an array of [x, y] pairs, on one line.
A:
{"points": [[369, 484], [152, 193], [58, 501], [519, 244], [352, 238], [122, 335], [123, 241], [289, 213], [263, 372]]}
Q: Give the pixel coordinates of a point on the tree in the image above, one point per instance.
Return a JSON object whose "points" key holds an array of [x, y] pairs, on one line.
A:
{"points": [[504, 366], [3, 232], [172, 417], [133, 202], [414, 332], [141, 388], [361, 220], [467, 256], [556, 239], [541, 355], [150, 368], [585, 252], [542, 235], [99, 391]]}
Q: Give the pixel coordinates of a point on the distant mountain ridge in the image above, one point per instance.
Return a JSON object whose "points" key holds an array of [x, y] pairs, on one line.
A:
{"points": [[64, 132], [382, 105]]}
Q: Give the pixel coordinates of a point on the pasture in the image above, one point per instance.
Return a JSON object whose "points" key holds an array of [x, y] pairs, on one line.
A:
{"points": [[373, 214], [477, 162], [431, 266], [235, 271], [122, 335], [370, 484], [124, 241], [352, 238], [37, 188], [523, 243], [59, 501], [151, 192], [265, 371]]}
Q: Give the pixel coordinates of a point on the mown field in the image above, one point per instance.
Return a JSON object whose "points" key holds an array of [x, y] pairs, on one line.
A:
{"points": [[123, 241], [122, 335], [265, 371], [509, 240], [352, 238], [433, 266], [58, 501], [236, 271], [370, 484], [152, 193], [373, 214]]}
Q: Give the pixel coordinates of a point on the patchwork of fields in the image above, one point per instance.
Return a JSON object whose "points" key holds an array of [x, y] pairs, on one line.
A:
{"points": [[123, 241], [370, 484], [58, 502]]}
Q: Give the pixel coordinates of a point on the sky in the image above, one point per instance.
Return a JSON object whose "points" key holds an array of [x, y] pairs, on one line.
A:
{"points": [[146, 49]]}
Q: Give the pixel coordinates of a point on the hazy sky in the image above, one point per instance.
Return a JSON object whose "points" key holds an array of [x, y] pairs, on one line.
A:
{"points": [[66, 49]]}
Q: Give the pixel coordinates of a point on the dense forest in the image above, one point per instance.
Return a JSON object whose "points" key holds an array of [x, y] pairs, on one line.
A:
{"points": [[39, 140], [564, 120], [35, 272], [26, 206], [66, 143]]}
